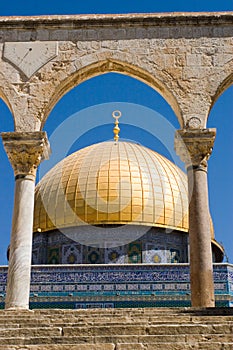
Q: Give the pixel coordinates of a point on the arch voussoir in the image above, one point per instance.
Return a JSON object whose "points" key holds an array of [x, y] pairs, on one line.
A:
{"points": [[95, 65]]}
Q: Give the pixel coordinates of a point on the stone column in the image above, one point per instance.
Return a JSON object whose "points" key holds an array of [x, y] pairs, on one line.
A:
{"points": [[25, 151], [194, 148]]}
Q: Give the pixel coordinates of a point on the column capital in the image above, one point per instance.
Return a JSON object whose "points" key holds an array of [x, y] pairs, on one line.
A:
{"points": [[194, 146], [26, 150]]}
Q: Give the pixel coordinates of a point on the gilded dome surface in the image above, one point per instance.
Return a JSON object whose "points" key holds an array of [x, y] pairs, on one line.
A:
{"points": [[112, 183]]}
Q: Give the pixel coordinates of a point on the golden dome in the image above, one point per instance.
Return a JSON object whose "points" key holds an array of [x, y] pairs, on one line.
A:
{"points": [[112, 183]]}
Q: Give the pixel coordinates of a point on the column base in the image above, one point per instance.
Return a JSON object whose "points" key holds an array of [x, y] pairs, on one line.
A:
{"points": [[21, 309]]}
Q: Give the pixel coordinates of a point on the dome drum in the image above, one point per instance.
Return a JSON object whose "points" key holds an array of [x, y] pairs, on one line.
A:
{"points": [[155, 246]]}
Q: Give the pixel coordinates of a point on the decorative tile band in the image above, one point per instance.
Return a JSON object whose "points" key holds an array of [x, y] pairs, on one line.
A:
{"points": [[115, 285]]}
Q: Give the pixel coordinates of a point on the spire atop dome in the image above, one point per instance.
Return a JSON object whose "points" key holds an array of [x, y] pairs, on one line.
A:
{"points": [[116, 115]]}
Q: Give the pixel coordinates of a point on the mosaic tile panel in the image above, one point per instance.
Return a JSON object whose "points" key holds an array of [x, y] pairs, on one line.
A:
{"points": [[36, 256], [71, 254], [54, 255], [93, 255], [154, 255], [115, 255], [135, 253]]}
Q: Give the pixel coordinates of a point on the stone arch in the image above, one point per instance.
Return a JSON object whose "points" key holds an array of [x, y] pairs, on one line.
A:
{"points": [[109, 65]]}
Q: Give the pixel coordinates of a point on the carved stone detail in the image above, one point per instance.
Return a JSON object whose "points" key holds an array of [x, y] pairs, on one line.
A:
{"points": [[29, 57], [26, 150], [195, 146], [194, 123]]}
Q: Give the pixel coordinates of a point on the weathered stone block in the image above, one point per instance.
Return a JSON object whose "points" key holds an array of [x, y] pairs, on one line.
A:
{"points": [[170, 346], [61, 34], [24, 35], [193, 60], [169, 60], [130, 347], [42, 34], [91, 34]]}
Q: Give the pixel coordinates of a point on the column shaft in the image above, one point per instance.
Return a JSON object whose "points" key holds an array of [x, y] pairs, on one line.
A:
{"points": [[18, 285], [25, 151], [201, 270]]}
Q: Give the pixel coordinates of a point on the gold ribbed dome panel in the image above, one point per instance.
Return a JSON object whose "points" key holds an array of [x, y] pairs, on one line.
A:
{"points": [[112, 183]]}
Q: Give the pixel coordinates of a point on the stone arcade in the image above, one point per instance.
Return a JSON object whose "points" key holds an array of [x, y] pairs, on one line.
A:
{"points": [[187, 58]]}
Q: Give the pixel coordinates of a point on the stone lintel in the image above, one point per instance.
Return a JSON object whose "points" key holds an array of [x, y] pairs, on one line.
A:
{"points": [[26, 150], [99, 20], [195, 146]]}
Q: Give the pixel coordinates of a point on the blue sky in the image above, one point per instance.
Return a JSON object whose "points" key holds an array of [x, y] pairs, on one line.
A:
{"points": [[31, 7], [97, 96]]}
